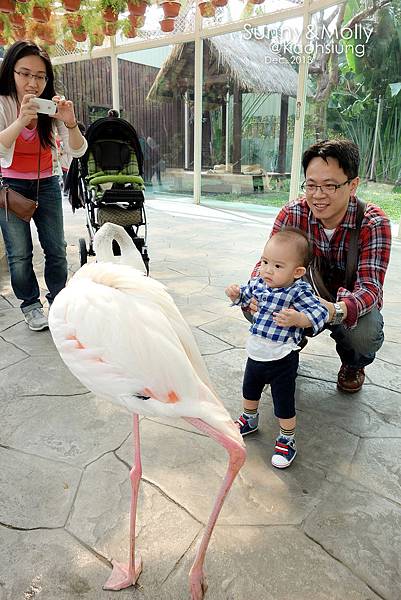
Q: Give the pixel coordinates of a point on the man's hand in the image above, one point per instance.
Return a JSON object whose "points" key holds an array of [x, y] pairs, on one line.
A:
{"points": [[233, 292], [289, 317], [253, 306]]}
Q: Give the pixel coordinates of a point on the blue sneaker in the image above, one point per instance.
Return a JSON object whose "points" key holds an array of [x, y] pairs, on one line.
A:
{"points": [[247, 423], [284, 452]]}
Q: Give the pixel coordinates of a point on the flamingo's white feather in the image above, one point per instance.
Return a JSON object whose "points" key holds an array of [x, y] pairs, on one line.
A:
{"points": [[121, 334]]}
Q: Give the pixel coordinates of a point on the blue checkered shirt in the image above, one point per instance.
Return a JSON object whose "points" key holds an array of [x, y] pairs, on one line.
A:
{"points": [[298, 296]]}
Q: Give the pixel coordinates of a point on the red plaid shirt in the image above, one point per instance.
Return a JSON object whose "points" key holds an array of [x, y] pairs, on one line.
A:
{"points": [[374, 251]]}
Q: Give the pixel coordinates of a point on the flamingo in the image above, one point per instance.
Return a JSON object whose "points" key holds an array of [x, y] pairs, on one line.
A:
{"points": [[121, 334]]}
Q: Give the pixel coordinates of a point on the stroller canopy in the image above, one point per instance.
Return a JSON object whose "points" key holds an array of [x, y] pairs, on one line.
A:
{"points": [[112, 130]]}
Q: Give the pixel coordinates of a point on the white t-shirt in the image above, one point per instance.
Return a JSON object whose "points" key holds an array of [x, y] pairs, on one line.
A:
{"points": [[264, 350]]}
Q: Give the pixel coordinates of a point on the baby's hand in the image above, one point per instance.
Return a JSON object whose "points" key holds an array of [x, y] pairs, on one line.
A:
{"points": [[288, 317], [233, 291]]}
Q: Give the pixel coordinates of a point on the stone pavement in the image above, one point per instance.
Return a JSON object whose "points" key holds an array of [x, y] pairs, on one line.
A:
{"points": [[328, 528]]}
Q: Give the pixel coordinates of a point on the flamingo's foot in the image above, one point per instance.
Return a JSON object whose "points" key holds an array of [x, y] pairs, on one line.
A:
{"points": [[198, 585], [121, 577]]}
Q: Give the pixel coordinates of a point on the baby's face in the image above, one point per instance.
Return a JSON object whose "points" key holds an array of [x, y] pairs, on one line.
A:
{"points": [[279, 267]]}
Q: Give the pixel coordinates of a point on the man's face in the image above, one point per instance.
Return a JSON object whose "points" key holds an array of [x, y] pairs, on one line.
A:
{"points": [[329, 208]]}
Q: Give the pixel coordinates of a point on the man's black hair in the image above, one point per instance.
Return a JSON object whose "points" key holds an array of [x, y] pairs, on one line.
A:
{"points": [[345, 151]]}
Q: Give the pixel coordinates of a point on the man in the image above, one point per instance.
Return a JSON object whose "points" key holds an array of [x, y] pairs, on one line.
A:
{"points": [[327, 213]]}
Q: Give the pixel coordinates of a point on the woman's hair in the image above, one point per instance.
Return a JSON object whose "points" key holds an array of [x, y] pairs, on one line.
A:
{"points": [[7, 82]]}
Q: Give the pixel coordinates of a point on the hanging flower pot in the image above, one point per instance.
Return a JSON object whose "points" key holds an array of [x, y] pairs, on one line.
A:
{"points": [[79, 36], [73, 21], [69, 44], [206, 9], [110, 15], [217, 3], [7, 6], [167, 25], [41, 14], [136, 22], [19, 33], [71, 5], [137, 7], [98, 38], [109, 28], [131, 32], [17, 21], [171, 9], [256, 1]]}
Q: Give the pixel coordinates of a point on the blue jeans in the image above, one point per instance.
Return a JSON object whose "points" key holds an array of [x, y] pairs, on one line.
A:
{"points": [[357, 347], [48, 219]]}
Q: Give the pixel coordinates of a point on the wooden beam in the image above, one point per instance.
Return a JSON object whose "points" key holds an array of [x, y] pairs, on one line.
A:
{"points": [[282, 145], [237, 128]]}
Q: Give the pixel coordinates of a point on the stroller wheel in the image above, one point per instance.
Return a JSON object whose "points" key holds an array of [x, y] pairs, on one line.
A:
{"points": [[83, 253]]}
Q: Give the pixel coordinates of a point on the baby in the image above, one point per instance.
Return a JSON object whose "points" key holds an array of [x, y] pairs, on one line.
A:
{"points": [[286, 306]]}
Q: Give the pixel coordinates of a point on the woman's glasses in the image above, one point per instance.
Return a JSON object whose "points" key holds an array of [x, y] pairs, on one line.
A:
{"points": [[28, 76]]}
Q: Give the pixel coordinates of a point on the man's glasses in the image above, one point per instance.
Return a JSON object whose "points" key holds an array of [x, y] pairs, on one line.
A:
{"points": [[328, 188], [29, 76]]}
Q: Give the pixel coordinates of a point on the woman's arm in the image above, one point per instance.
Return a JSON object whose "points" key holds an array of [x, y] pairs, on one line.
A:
{"points": [[28, 111], [75, 143]]}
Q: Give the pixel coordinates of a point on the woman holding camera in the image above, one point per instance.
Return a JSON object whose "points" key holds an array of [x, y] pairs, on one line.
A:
{"points": [[29, 165]]}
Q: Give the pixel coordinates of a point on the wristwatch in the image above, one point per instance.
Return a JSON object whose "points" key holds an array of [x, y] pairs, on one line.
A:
{"points": [[338, 314]]}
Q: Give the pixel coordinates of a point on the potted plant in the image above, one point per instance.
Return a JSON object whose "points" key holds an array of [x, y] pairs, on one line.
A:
{"points": [[69, 43], [96, 38], [73, 21], [17, 20], [206, 9], [136, 22], [171, 8], [129, 30], [70, 5], [218, 3], [41, 11], [137, 7], [79, 33], [7, 6], [111, 8], [167, 25], [110, 29]]}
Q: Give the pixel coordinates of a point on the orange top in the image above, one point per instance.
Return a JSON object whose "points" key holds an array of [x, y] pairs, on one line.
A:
{"points": [[26, 156]]}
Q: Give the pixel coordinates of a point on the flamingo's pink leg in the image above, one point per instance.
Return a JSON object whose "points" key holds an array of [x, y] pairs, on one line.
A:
{"points": [[237, 455], [122, 575]]}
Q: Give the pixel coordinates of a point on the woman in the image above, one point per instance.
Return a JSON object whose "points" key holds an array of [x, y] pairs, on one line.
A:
{"points": [[28, 155]]}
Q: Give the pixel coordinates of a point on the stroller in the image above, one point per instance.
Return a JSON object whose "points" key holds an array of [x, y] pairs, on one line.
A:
{"points": [[107, 182]]}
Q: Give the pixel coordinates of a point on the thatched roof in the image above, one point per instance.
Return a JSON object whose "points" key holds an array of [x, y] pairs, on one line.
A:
{"points": [[228, 58]]}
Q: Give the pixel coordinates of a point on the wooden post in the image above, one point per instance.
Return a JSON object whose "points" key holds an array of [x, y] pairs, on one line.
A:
{"points": [[237, 128], [223, 132], [282, 144]]}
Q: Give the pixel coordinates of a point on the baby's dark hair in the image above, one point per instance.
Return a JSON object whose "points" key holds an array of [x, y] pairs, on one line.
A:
{"points": [[302, 246]]}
